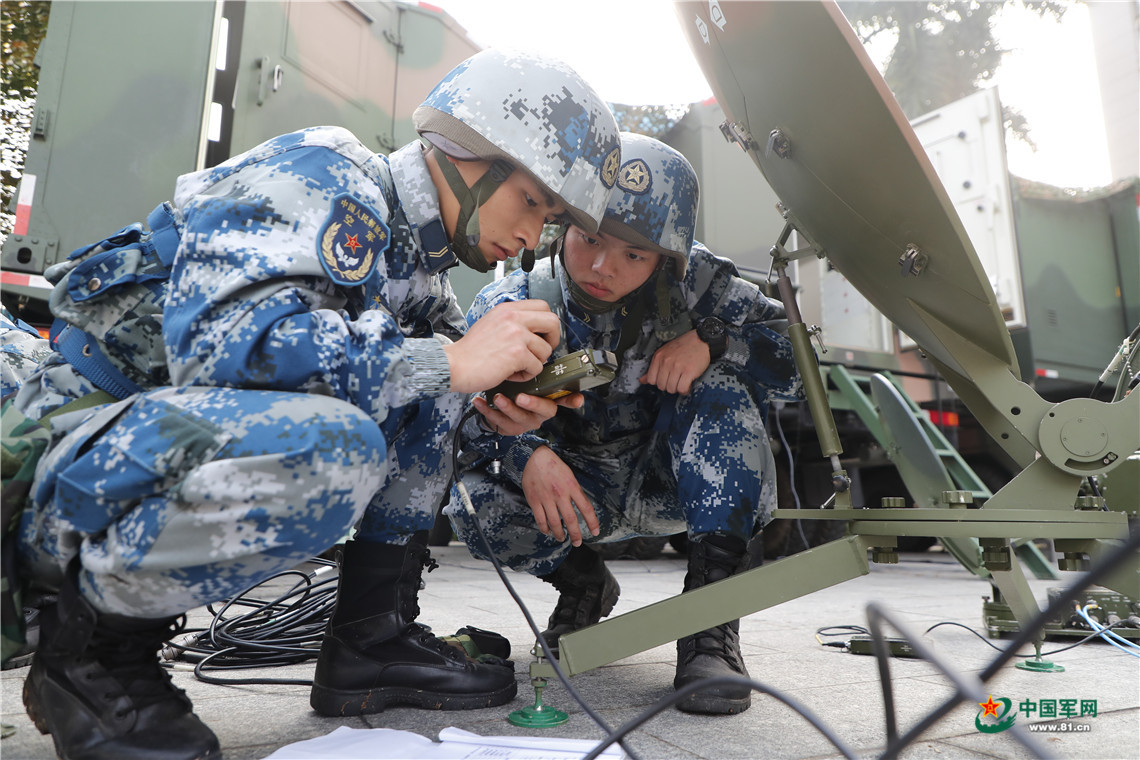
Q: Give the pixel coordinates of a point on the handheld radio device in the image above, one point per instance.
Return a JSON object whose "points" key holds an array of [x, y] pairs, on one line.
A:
{"points": [[574, 372]]}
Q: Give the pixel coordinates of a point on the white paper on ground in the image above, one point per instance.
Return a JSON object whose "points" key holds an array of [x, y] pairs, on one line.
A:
{"points": [[455, 744]]}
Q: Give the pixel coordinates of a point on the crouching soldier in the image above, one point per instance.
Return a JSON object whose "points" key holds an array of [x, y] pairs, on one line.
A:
{"points": [[676, 442], [284, 355]]}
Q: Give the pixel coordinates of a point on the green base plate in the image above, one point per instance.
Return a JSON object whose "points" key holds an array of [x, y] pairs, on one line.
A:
{"points": [[539, 716], [1040, 666]]}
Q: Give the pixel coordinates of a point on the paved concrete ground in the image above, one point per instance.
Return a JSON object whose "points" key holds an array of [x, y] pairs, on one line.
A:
{"points": [[781, 650]]}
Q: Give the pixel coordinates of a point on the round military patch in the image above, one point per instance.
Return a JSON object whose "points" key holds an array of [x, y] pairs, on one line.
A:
{"points": [[610, 167], [634, 177], [352, 240]]}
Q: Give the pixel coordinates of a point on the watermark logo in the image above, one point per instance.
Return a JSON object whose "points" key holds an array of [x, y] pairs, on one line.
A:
{"points": [[1001, 711], [999, 714]]}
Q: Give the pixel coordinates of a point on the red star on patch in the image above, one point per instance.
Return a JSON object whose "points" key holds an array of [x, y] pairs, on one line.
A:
{"points": [[352, 243], [989, 707]]}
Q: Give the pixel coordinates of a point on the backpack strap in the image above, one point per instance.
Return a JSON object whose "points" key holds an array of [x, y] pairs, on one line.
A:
{"points": [[82, 352], [81, 349], [164, 237], [543, 284]]}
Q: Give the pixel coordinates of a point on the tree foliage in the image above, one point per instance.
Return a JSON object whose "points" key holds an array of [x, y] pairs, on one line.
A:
{"points": [[943, 51], [23, 25], [651, 121]]}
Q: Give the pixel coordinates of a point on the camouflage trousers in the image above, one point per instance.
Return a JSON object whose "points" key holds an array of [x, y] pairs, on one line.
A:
{"points": [[418, 469], [707, 466], [179, 497]]}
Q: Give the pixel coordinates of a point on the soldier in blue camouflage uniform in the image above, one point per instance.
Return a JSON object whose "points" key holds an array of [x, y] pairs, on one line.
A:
{"points": [[21, 349], [675, 443], [298, 379]]}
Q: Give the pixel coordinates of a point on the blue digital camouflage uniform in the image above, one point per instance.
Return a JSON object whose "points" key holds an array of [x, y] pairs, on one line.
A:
{"points": [[652, 463], [21, 349], [303, 333]]}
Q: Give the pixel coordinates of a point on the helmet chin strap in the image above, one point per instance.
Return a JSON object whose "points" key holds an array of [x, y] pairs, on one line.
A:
{"points": [[593, 305], [465, 241], [590, 304], [657, 285], [663, 309]]}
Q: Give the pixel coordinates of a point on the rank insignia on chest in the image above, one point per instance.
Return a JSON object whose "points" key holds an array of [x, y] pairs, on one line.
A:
{"points": [[435, 245], [352, 240]]}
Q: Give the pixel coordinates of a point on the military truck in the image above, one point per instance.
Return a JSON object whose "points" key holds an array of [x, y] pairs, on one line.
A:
{"points": [[1064, 264], [132, 95]]}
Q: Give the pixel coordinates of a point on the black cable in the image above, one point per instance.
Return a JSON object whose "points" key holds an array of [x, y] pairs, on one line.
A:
{"points": [[1085, 640], [287, 630], [1027, 634], [619, 734], [791, 482], [840, 630], [685, 691]]}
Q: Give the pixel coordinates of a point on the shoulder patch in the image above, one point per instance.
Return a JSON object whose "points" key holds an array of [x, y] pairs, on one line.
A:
{"points": [[352, 240]]}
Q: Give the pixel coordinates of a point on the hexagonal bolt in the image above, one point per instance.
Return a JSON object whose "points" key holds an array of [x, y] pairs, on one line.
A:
{"points": [[893, 502], [996, 555], [1090, 503], [996, 560], [884, 555], [1074, 561], [957, 499]]}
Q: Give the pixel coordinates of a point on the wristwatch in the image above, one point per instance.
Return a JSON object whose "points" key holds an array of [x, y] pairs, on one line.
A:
{"points": [[712, 331]]}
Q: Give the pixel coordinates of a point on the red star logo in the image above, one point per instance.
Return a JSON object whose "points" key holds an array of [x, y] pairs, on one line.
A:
{"points": [[352, 243], [989, 707]]}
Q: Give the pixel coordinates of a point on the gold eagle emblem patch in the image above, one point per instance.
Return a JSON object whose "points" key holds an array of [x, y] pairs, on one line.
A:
{"points": [[352, 240]]}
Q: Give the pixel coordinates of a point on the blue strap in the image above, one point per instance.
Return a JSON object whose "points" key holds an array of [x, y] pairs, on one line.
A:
{"points": [[164, 235], [83, 353]]}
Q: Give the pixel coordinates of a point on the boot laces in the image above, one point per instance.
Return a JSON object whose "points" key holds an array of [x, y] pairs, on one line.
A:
{"points": [[578, 605], [428, 639], [411, 577], [719, 642]]}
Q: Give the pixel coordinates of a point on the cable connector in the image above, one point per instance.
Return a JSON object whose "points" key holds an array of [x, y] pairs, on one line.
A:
{"points": [[174, 648]]}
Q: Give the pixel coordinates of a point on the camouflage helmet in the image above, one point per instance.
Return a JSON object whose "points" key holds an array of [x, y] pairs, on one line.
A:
{"points": [[535, 112], [654, 205]]}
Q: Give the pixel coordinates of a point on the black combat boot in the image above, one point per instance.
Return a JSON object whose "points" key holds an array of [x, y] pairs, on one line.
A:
{"points": [[587, 592], [374, 654], [715, 652], [96, 686]]}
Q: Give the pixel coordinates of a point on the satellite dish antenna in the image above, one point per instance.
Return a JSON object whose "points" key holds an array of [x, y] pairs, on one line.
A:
{"points": [[805, 102]]}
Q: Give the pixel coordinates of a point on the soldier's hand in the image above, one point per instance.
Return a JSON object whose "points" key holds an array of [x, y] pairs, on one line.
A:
{"points": [[677, 364], [510, 342], [525, 413], [555, 497]]}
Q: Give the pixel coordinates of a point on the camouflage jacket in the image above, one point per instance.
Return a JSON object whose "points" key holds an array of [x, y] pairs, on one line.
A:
{"points": [[307, 264], [621, 416], [21, 349]]}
